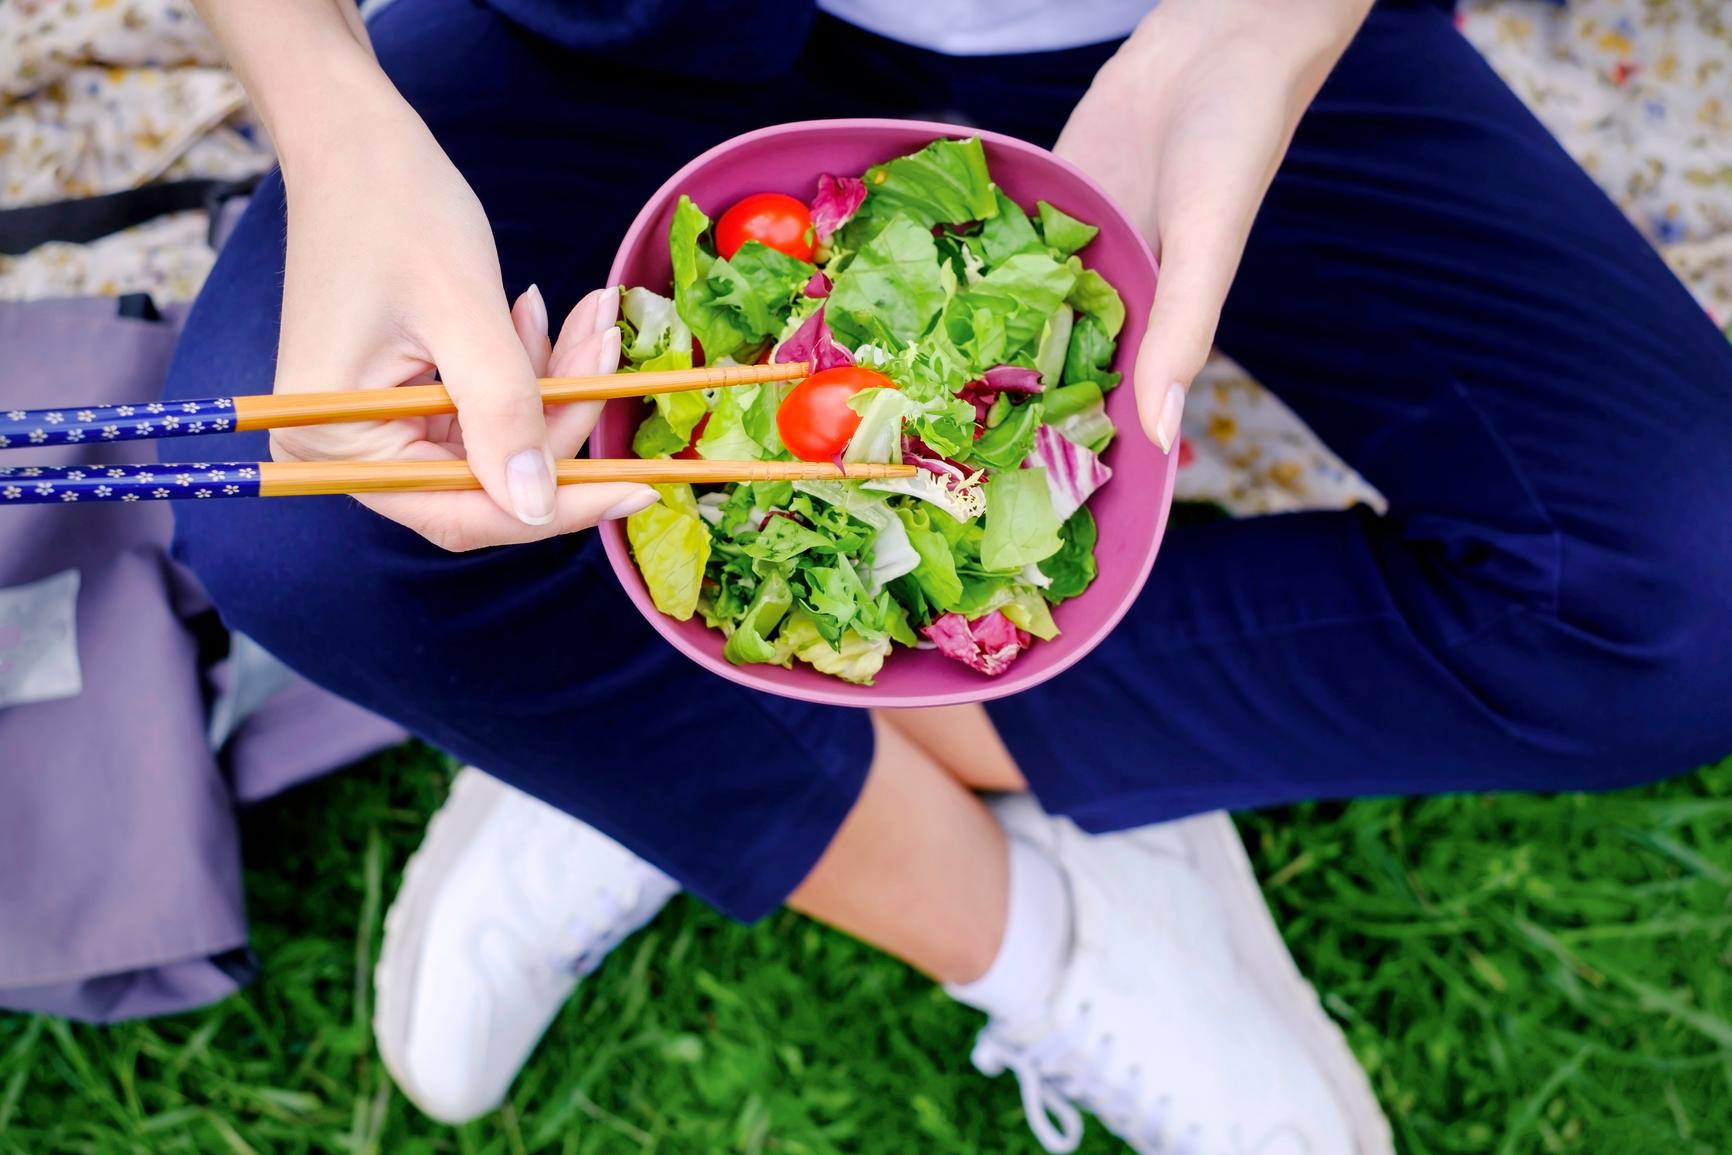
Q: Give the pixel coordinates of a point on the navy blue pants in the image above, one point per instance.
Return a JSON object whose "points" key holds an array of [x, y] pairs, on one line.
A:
{"points": [[1432, 284]]}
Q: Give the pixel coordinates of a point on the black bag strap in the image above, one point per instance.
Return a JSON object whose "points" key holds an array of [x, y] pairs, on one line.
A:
{"points": [[88, 218]]}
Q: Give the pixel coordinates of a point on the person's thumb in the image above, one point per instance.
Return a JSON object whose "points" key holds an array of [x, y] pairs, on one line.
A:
{"points": [[1195, 274], [489, 375]]}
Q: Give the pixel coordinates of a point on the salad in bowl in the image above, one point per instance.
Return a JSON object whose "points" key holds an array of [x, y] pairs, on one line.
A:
{"points": [[948, 325]]}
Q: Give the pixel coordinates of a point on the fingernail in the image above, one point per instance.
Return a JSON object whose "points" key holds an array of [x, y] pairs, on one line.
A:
{"points": [[537, 309], [607, 308], [607, 358], [1167, 424], [529, 477], [625, 507]]}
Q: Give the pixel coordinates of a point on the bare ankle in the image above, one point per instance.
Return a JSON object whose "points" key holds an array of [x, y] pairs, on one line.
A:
{"points": [[969, 958]]}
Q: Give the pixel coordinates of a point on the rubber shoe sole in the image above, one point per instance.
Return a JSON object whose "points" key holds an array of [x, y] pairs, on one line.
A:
{"points": [[1259, 945], [473, 798]]}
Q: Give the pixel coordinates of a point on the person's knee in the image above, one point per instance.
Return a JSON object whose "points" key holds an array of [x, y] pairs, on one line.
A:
{"points": [[1649, 618], [274, 569]]}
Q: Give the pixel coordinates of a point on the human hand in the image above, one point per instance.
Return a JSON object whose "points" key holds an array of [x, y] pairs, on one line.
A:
{"points": [[392, 277], [391, 273], [1185, 127]]}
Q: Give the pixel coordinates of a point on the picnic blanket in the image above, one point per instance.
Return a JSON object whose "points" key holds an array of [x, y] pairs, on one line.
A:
{"points": [[131, 722]]}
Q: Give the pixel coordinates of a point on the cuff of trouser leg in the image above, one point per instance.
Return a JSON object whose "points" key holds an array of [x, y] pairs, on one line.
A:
{"points": [[1065, 788], [774, 860], [1024, 729]]}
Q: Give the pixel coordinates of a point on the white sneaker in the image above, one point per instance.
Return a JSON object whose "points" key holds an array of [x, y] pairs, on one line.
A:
{"points": [[1180, 1020], [507, 904]]}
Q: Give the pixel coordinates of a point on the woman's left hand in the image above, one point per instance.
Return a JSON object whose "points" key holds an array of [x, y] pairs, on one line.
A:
{"points": [[1185, 127]]}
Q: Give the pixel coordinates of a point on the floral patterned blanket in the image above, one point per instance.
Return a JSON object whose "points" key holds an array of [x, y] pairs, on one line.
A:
{"points": [[98, 95]]}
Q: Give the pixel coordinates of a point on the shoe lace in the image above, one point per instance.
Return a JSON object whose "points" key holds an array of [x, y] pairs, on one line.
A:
{"points": [[603, 921], [1074, 1065]]}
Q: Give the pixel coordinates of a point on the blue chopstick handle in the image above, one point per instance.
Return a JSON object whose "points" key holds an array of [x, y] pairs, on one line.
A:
{"points": [[28, 428], [66, 484]]}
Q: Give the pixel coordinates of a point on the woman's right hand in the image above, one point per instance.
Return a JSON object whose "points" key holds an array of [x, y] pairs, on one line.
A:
{"points": [[392, 276]]}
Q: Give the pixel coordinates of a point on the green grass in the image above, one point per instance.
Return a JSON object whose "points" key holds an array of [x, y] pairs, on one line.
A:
{"points": [[1520, 975]]}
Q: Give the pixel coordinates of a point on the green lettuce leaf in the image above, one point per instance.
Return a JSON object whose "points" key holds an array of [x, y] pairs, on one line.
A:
{"points": [[721, 608], [651, 328], [912, 598], [735, 300], [1022, 292], [679, 497], [1072, 568], [749, 642], [1090, 352], [682, 411], [853, 658], [982, 333], [1093, 294], [933, 370], [945, 423], [944, 183], [835, 599], [1054, 344], [964, 537], [1069, 399], [1005, 235], [1063, 231], [890, 290], [717, 326], [1021, 526], [654, 338], [771, 494], [1079, 413], [936, 573], [891, 555], [1006, 445], [725, 437], [878, 438], [849, 525], [685, 247], [775, 279], [983, 594], [671, 547], [948, 427], [1089, 427], [1027, 610], [736, 516], [656, 438], [730, 306], [929, 374], [759, 421], [785, 539], [896, 620]]}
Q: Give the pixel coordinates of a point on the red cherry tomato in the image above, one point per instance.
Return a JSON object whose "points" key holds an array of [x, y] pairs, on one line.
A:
{"points": [[814, 419], [775, 220]]}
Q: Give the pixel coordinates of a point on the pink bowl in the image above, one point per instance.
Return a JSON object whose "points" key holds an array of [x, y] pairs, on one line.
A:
{"points": [[1131, 510]]}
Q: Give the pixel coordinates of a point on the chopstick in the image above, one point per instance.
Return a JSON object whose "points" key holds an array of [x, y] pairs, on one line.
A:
{"points": [[51, 484], [71, 424]]}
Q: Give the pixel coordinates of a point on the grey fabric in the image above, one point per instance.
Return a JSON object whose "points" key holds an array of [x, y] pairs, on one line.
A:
{"points": [[39, 640], [120, 874]]}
